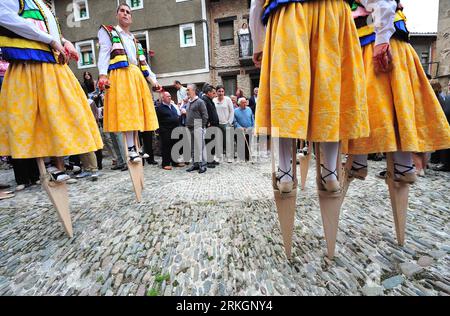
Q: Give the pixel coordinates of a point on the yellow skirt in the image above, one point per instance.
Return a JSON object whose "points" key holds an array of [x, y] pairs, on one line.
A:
{"points": [[404, 113], [129, 103], [44, 112], [312, 73]]}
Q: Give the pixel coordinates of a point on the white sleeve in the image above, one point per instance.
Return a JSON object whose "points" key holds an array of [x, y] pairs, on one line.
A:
{"points": [[152, 74], [10, 20], [231, 111], [257, 28], [104, 54], [383, 12]]}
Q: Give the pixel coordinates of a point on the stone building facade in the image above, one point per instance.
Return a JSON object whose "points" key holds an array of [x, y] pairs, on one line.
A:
{"points": [[443, 43], [231, 66], [425, 46]]}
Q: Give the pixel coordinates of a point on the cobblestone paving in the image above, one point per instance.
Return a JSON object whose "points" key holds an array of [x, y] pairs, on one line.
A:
{"points": [[218, 234]]}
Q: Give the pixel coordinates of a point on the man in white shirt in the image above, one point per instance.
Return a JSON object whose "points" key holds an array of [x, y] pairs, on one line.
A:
{"points": [[225, 111], [181, 92]]}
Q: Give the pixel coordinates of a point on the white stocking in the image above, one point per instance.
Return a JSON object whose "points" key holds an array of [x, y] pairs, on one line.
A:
{"points": [[285, 157], [330, 154], [359, 161], [403, 162], [130, 139]]}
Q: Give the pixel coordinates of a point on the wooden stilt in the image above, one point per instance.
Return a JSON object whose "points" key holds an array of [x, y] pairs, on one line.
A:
{"points": [[304, 165], [398, 192], [330, 203], [286, 203], [59, 197], [139, 149], [136, 170]]}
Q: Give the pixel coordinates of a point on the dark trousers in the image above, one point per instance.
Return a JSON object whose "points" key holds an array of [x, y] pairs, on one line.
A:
{"points": [[26, 171], [210, 156], [75, 160], [99, 155], [167, 143], [147, 141], [445, 157]]}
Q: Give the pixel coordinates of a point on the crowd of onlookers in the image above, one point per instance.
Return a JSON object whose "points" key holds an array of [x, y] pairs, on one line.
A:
{"points": [[207, 120]]}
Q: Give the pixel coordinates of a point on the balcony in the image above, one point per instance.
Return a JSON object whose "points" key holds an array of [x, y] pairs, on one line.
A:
{"points": [[245, 49]]}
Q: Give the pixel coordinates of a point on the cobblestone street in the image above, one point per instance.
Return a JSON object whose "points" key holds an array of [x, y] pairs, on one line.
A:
{"points": [[218, 234]]}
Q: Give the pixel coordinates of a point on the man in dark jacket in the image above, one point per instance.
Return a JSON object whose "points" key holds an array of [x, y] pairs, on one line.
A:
{"points": [[196, 122], [253, 100], [209, 93], [168, 120], [444, 154]]}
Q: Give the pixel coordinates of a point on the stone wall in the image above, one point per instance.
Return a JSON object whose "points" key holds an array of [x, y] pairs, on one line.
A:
{"points": [[225, 59], [443, 42]]}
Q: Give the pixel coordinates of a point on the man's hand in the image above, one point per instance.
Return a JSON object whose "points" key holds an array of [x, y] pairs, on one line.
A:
{"points": [[61, 52], [71, 51], [155, 85], [382, 58], [257, 58], [103, 83]]}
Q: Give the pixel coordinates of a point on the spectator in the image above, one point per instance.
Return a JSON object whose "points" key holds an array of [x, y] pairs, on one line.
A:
{"points": [[26, 173], [168, 119], [89, 160], [3, 67], [89, 84], [225, 112], [244, 123], [253, 100], [244, 41], [90, 167], [443, 156], [196, 121], [147, 149], [117, 143], [213, 120], [239, 94], [181, 92], [97, 107], [234, 100]]}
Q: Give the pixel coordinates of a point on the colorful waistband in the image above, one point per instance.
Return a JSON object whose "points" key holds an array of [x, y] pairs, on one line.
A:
{"points": [[272, 5]]}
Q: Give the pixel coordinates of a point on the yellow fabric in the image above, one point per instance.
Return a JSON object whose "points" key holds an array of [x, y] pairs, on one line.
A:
{"points": [[128, 103], [22, 43], [404, 112], [370, 29], [44, 112], [312, 74]]}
